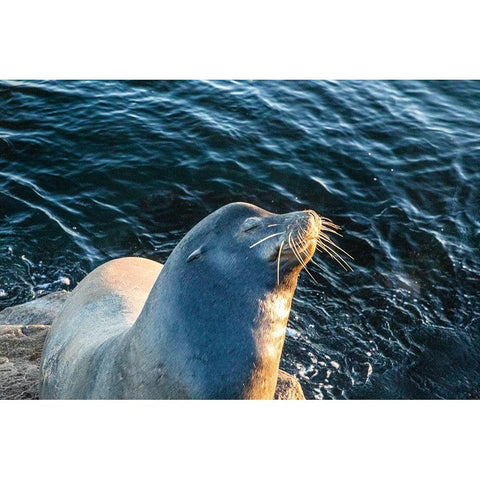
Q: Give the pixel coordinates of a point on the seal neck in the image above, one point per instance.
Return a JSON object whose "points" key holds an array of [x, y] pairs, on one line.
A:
{"points": [[226, 345]]}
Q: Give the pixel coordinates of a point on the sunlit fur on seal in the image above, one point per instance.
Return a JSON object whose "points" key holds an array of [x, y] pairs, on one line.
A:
{"points": [[209, 324]]}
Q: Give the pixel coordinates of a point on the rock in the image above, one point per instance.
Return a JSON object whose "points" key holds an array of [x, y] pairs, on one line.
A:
{"points": [[23, 329], [288, 387], [20, 351], [41, 311]]}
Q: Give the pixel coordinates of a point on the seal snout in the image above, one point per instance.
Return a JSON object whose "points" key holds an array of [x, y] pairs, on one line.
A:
{"points": [[301, 234], [289, 241], [314, 224]]}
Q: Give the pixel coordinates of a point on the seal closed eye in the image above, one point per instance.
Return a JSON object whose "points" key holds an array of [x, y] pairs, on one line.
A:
{"points": [[251, 223], [213, 328]]}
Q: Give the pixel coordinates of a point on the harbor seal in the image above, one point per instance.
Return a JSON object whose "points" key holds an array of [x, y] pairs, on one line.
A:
{"points": [[209, 324]]}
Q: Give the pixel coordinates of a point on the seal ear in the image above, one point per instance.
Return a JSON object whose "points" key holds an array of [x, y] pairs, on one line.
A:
{"points": [[195, 254]]}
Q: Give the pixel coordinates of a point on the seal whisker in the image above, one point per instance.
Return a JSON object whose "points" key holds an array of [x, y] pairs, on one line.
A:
{"points": [[328, 249], [331, 249], [298, 254], [292, 245], [327, 221], [331, 231], [317, 264], [303, 244], [293, 248], [266, 238], [302, 236], [331, 225], [306, 268], [328, 240], [333, 254], [273, 225], [278, 262]]}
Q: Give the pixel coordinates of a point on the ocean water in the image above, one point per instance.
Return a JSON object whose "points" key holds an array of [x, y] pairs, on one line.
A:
{"points": [[95, 170]]}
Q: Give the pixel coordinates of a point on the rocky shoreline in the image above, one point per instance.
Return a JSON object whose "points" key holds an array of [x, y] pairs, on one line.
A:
{"points": [[23, 329]]}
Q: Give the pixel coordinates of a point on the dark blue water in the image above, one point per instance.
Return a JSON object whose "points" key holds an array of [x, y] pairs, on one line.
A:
{"points": [[91, 171]]}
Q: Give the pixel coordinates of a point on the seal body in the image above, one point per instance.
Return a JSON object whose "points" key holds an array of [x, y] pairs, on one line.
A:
{"points": [[210, 323]]}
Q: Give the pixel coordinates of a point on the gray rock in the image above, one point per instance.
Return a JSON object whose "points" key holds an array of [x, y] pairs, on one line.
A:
{"points": [[20, 351], [41, 311]]}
